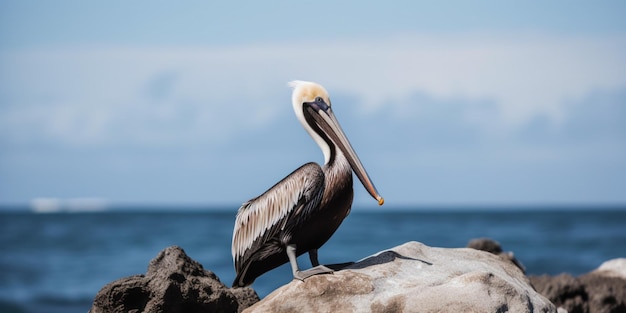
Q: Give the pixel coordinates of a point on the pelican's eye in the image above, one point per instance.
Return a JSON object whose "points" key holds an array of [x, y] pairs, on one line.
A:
{"points": [[319, 99]]}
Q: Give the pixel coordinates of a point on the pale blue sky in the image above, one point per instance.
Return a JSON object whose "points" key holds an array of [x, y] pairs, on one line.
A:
{"points": [[59, 23], [447, 103]]}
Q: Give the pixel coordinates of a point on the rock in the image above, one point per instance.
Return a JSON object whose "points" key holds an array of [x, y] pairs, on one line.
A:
{"points": [[602, 290], [413, 278], [485, 244], [563, 290], [492, 246], [612, 268], [174, 283]]}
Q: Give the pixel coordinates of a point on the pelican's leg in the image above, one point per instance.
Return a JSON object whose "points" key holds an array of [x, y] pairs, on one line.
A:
{"points": [[316, 263], [331, 267], [313, 257], [302, 275], [293, 260]]}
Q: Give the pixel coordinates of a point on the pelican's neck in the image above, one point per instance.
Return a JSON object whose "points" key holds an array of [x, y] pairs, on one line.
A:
{"points": [[323, 143], [337, 170], [329, 153]]}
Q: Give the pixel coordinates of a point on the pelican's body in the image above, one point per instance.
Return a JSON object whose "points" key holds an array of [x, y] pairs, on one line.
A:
{"points": [[302, 211]]}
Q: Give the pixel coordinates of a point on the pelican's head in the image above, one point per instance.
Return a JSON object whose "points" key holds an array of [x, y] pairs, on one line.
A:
{"points": [[307, 92], [312, 106]]}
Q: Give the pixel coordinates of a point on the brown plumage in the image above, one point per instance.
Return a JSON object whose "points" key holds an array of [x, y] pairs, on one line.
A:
{"points": [[302, 211]]}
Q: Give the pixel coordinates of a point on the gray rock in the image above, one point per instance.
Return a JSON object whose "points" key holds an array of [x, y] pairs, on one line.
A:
{"points": [[413, 278], [174, 283]]}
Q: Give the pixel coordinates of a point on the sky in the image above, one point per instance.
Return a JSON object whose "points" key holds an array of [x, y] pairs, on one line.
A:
{"points": [[456, 103]]}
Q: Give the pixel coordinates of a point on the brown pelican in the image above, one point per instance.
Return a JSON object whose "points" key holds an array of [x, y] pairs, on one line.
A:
{"points": [[302, 211]]}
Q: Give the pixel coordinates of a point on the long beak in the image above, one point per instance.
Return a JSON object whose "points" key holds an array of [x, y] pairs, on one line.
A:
{"points": [[329, 124]]}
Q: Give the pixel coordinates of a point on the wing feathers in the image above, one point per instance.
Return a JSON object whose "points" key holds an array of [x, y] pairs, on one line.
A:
{"points": [[259, 217]]}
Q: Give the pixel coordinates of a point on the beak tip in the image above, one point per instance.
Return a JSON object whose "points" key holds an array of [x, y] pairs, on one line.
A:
{"points": [[381, 200]]}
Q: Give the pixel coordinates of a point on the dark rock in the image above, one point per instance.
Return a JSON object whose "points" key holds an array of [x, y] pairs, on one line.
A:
{"points": [[174, 283], [246, 297], [485, 244], [563, 290], [602, 290], [606, 294], [492, 246]]}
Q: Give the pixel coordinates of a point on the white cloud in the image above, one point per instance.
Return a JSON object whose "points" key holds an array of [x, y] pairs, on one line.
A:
{"points": [[178, 95], [512, 115]]}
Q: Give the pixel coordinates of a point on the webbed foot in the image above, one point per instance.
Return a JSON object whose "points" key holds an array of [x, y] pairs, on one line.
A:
{"points": [[320, 269]]}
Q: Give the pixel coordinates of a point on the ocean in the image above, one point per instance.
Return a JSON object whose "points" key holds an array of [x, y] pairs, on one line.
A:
{"points": [[57, 262]]}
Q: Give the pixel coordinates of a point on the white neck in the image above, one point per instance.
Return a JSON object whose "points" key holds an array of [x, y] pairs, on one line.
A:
{"points": [[318, 139]]}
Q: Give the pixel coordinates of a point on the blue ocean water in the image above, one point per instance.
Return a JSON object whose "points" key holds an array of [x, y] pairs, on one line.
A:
{"points": [[57, 262]]}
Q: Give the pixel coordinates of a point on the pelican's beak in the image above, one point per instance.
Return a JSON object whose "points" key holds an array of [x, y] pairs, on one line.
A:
{"points": [[326, 120]]}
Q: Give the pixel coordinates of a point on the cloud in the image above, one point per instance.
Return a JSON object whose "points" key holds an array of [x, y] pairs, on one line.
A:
{"points": [[164, 95], [426, 111]]}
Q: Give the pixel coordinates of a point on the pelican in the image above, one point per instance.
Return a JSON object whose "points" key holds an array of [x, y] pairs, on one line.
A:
{"points": [[303, 210]]}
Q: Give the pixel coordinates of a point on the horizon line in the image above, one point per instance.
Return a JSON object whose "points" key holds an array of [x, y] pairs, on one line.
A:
{"points": [[404, 207]]}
